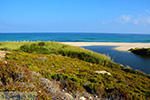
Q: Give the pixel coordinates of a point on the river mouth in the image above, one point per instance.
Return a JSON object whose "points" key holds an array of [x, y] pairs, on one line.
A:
{"points": [[125, 58]]}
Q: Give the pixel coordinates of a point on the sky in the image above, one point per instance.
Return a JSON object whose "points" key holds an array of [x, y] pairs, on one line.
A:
{"points": [[98, 16]]}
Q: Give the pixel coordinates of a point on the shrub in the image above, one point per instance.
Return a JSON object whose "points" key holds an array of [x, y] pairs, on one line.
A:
{"points": [[73, 52], [147, 94], [74, 86], [86, 57], [34, 48], [90, 88], [41, 44], [46, 74], [93, 80], [58, 77], [142, 51], [24, 48], [99, 89], [129, 70], [1, 44], [5, 49]]}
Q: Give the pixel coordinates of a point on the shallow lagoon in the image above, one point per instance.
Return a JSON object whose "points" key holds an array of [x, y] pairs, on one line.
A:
{"points": [[125, 58]]}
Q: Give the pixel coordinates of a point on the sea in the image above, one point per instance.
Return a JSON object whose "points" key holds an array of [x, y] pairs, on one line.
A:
{"points": [[125, 58], [76, 37]]}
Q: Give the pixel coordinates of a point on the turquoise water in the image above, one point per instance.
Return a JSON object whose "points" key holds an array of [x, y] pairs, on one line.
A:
{"points": [[75, 37]]}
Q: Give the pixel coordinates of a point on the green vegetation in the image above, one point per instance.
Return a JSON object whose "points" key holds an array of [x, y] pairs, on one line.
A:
{"points": [[141, 51], [50, 67], [58, 49]]}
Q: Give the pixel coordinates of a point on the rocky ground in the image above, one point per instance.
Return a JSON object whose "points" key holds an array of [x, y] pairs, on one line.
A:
{"points": [[2, 54]]}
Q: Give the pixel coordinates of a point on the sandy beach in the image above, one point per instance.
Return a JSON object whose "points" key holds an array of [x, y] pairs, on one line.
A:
{"points": [[120, 46]]}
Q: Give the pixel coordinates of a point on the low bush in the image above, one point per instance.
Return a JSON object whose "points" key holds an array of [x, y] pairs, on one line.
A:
{"points": [[142, 51], [5, 49], [46, 74], [91, 88], [129, 70], [82, 56], [25, 48], [74, 86], [35, 48], [61, 49], [41, 44], [59, 77]]}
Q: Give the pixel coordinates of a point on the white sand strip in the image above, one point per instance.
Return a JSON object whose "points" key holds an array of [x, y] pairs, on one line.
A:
{"points": [[120, 46]]}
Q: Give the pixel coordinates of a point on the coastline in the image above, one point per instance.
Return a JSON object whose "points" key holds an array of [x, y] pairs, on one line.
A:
{"points": [[120, 46]]}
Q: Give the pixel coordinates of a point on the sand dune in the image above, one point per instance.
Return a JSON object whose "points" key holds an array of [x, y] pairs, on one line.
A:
{"points": [[120, 46]]}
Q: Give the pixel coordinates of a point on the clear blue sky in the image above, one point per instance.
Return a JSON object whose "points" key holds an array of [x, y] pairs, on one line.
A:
{"points": [[103, 16]]}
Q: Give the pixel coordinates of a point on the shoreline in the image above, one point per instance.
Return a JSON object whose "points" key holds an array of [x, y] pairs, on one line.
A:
{"points": [[120, 46]]}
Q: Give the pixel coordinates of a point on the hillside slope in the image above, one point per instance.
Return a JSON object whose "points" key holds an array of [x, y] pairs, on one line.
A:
{"points": [[58, 75]]}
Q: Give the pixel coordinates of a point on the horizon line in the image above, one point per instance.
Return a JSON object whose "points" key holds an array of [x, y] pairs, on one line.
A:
{"points": [[82, 32]]}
